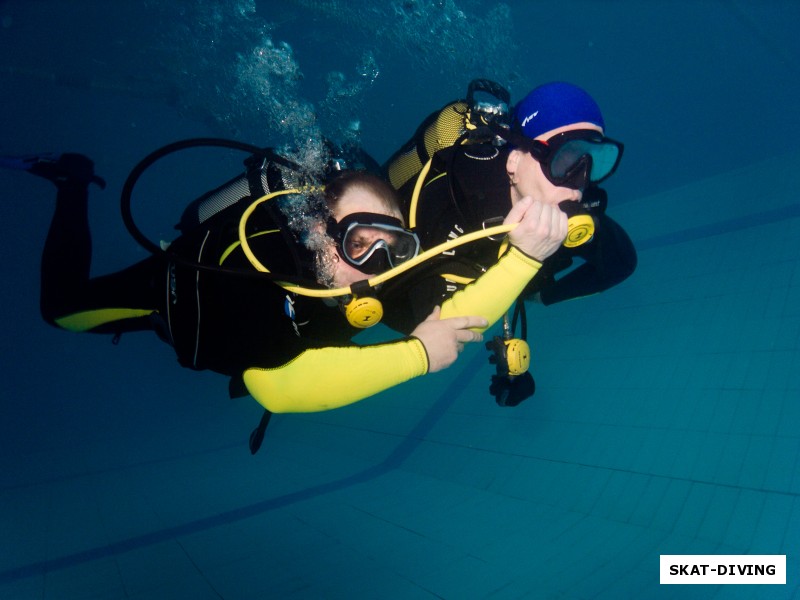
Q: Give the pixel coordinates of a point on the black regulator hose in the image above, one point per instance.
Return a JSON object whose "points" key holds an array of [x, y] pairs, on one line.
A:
{"points": [[155, 249], [152, 158]]}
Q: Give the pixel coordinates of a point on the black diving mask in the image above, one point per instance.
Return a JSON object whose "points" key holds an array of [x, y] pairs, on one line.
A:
{"points": [[373, 243], [575, 159]]}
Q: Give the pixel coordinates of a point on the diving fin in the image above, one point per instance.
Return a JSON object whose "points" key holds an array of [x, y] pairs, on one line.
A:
{"points": [[58, 168]]}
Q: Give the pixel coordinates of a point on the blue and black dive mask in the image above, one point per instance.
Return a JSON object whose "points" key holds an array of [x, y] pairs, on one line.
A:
{"points": [[574, 159]]}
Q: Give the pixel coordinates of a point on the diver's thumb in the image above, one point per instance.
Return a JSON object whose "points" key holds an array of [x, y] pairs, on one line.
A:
{"points": [[518, 210], [435, 315]]}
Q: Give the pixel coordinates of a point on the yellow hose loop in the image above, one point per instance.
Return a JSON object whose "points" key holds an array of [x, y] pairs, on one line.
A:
{"points": [[243, 223], [412, 217], [391, 273], [378, 279]]}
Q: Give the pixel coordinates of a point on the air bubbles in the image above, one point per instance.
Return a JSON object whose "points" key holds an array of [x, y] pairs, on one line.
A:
{"points": [[307, 215]]}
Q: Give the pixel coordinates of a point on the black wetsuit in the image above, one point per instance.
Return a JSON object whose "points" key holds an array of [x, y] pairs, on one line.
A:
{"points": [[215, 321], [467, 190]]}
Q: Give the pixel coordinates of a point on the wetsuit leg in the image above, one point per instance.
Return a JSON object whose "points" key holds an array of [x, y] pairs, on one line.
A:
{"points": [[122, 301]]}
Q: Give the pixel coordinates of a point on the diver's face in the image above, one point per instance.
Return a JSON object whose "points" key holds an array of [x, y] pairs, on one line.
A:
{"points": [[528, 179], [358, 243], [356, 200]]}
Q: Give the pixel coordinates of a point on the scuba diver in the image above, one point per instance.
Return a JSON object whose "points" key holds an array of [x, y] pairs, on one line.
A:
{"points": [[467, 166], [209, 297]]}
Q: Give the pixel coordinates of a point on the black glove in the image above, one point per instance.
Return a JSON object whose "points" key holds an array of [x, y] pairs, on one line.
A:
{"points": [[510, 391]]}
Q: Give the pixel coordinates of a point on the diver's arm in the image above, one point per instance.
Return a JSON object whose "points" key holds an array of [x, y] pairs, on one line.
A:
{"points": [[327, 378], [491, 294], [540, 230]]}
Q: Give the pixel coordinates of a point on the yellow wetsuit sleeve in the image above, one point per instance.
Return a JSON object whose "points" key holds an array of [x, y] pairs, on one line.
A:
{"points": [[491, 294], [328, 378]]}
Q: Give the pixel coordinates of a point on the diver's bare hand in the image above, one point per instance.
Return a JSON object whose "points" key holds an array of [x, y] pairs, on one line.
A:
{"points": [[445, 338], [542, 227]]}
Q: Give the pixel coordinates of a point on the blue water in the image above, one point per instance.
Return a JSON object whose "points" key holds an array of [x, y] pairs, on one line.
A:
{"points": [[667, 414]]}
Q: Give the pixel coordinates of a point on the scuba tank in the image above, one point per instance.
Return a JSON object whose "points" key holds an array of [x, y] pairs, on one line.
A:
{"points": [[265, 172], [458, 122]]}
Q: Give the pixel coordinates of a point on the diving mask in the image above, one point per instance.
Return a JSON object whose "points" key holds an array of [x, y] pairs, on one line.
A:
{"points": [[373, 243], [577, 158]]}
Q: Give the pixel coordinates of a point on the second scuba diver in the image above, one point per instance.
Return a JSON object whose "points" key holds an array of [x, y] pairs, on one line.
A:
{"points": [[555, 152]]}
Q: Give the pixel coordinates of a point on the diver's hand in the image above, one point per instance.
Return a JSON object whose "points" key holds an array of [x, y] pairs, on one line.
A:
{"points": [[445, 338], [542, 227]]}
